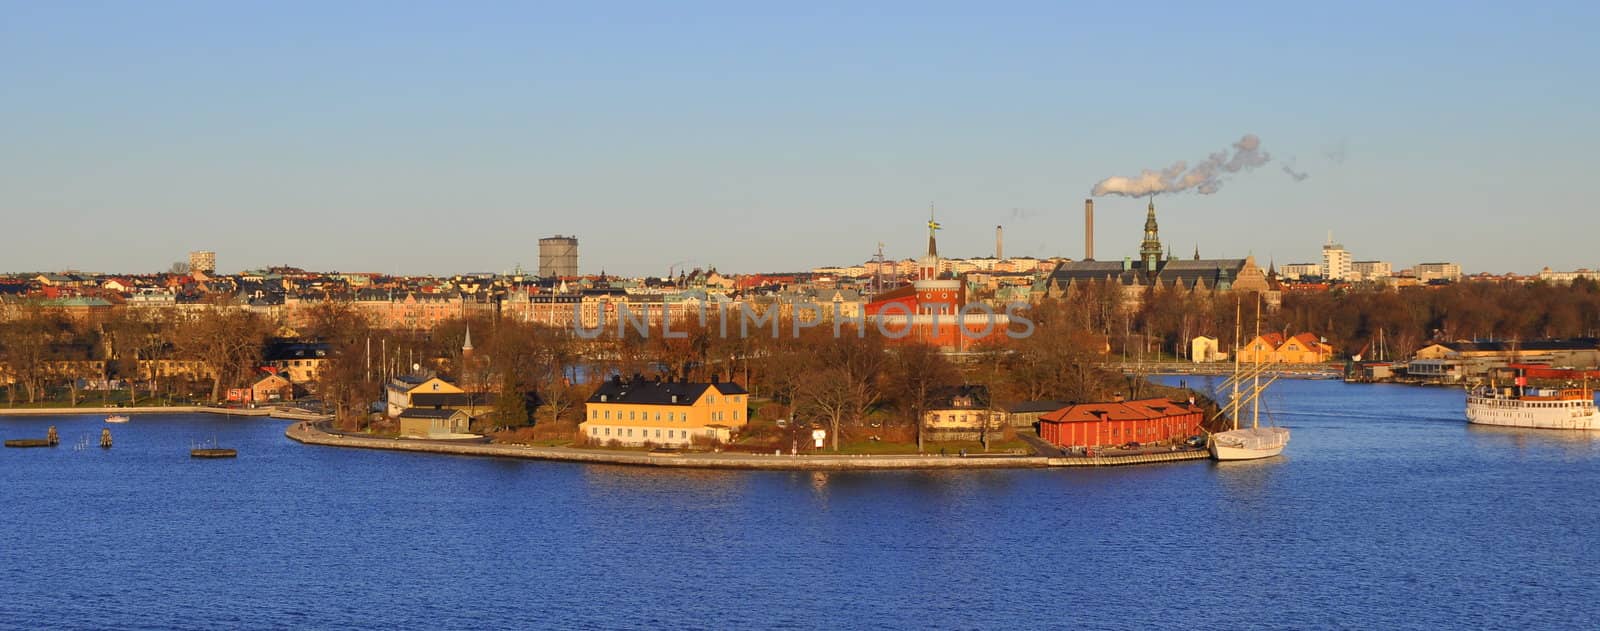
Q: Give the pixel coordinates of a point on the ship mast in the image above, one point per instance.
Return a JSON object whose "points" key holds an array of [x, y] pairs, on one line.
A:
{"points": [[1255, 389], [1233, 401]]}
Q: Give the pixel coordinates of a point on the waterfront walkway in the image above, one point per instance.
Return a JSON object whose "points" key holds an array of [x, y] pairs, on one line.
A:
{"points": [[310, 434]]}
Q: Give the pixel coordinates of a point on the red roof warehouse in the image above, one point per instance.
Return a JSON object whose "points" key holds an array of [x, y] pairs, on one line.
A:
{"points": [[1095, 424]]}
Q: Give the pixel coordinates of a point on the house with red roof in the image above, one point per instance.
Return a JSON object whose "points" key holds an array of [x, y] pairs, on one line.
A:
{"points": [[1144, 421]]}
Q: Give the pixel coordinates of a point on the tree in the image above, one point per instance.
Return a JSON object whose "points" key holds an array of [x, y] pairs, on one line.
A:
{"points": [[227, 341], [28, 345], [553, 374], [831, 395], [918, 373], [345, 382]]}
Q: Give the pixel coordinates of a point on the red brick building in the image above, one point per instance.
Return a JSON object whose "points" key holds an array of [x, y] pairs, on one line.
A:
{"points": [[1096, 424], [933, 309]]}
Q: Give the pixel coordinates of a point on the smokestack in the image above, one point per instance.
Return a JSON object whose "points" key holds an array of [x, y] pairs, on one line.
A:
{"points": [[1088, 230], [999, 244]]}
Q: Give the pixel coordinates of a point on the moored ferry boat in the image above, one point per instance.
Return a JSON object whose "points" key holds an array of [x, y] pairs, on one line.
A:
{"points": [[1539, 408]]}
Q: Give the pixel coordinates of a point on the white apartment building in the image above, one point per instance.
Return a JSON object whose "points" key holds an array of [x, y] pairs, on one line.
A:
{"points": [[1371, 270], [1438, 271], [1335, 262], [1297, 271]]}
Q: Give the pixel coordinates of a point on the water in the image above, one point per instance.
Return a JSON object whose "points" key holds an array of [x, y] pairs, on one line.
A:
{"points": [[1389, 511]]}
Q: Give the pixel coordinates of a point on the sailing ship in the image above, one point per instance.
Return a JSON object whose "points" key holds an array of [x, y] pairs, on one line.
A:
{"points": [[1253, 442], [1519, 405]]}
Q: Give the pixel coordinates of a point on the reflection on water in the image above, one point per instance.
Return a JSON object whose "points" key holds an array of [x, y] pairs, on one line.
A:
{"points": [[1387, 510]]}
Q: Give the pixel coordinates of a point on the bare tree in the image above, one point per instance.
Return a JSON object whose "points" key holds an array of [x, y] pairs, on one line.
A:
{"points": [[831, 395], [226, 341], [919, 372], [28, 342]]}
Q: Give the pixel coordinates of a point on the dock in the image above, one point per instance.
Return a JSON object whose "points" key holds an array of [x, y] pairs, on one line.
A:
{"points": [[1132, 459]]}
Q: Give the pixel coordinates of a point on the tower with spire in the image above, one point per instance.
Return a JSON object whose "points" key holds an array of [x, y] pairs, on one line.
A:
{"points": [[466, 344], [928, 265], [1150, 248]]}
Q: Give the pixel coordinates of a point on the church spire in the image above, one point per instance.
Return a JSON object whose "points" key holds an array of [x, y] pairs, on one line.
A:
{"points": [[466, 344], [930, 261], [1196, 251], [1150, 249]]}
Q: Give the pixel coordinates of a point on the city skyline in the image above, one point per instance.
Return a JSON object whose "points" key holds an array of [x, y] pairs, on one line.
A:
{"points": [[433, 140]]}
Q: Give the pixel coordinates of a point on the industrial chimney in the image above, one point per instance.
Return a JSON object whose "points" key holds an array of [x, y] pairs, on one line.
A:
{"points": [[999, 244], [1088, 230]]}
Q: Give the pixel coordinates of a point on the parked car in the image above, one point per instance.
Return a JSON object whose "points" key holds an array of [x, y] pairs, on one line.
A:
{"points": [[1195, 441], [1132, 444]]}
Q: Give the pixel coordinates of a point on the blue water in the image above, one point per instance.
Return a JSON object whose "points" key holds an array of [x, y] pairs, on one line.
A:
{"points": [[1389, 512]]}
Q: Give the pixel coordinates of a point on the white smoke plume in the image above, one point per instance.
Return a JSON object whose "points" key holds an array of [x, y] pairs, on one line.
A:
{"points": [[1205, 178]]}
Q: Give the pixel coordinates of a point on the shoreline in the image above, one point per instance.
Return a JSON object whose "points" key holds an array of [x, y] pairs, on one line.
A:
{"points": [[307, 434], [289, 414]]}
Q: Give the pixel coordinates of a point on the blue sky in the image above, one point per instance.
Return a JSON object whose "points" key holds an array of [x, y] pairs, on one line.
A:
{"points": [[448, 137]]}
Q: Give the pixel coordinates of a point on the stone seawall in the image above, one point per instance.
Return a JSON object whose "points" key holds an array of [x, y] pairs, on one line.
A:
{"points": [[309, 434]]}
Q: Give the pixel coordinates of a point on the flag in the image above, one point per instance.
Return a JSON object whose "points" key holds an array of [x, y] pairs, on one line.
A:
{"points": [[933, 225]]}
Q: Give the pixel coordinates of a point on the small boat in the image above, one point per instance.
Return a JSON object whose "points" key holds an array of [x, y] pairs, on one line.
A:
{"points": [[117, 418]]}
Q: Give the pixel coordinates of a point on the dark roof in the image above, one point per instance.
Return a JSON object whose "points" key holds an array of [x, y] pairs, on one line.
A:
{"points": [[438, 399], [1026, 407], [428, 413], [944, 398], [415, 378], [654, 392], [1533, 346], [1181, 272], [290, 349]]}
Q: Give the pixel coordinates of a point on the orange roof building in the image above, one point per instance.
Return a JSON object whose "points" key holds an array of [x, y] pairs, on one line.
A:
{"points": [[1099, 424]]}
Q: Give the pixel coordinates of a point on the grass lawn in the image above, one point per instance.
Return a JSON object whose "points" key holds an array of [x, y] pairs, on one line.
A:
{"points": [[878, 447]]}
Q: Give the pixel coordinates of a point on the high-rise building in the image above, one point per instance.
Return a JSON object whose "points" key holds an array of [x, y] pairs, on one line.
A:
{"points": [[558, 256], [203, 261], [1335, 261]]}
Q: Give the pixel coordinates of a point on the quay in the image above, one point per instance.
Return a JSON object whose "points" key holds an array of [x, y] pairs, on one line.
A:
{"points": [[309, 433]]}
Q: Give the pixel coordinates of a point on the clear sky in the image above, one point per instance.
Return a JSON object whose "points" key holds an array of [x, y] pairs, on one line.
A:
{"points": [[756, 136]]}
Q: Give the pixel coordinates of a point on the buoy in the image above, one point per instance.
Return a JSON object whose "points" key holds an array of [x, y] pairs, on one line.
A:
{"points": [[105, 438]]}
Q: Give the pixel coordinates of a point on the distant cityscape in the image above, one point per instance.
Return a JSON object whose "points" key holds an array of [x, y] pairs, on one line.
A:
{"points": [[556, 290]]}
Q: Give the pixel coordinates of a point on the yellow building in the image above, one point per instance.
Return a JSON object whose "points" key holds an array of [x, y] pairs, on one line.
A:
{"points": [[1274, 348], [962, 413], [400, 391], [663, 412], [423, 423]]}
